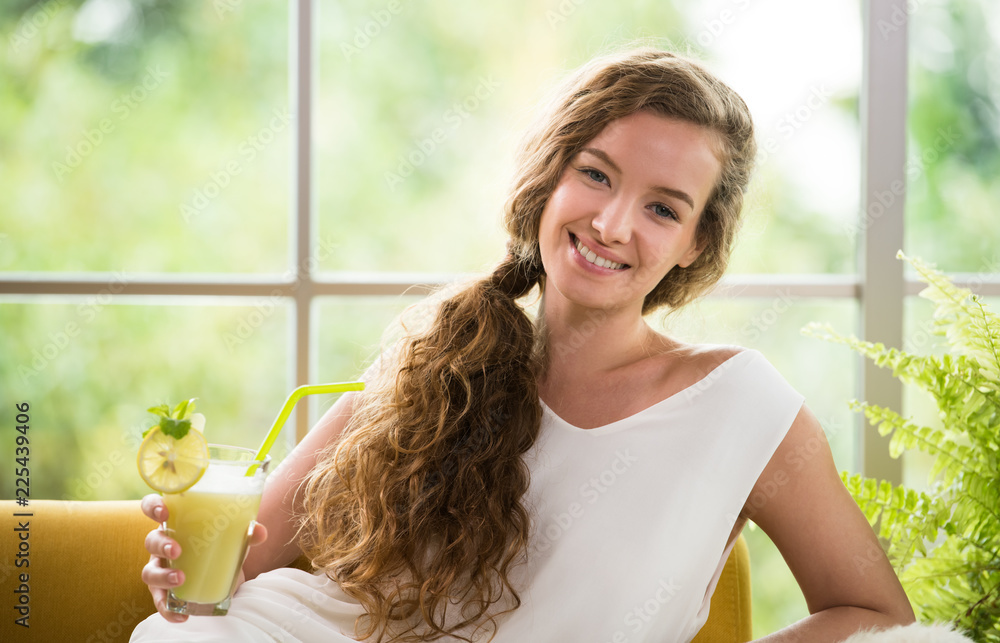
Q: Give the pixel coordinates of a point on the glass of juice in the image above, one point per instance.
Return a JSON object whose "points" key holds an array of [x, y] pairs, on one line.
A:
{"points": [[211, 522]]}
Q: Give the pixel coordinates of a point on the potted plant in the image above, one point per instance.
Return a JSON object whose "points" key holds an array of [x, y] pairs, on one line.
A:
{"points": [[943, 543]]}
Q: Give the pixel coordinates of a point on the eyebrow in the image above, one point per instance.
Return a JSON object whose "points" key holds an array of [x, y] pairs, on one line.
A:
{"points": [[678, 194]]}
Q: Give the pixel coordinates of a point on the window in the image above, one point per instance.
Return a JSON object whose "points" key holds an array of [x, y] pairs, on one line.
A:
{"points": [[178, 222]]}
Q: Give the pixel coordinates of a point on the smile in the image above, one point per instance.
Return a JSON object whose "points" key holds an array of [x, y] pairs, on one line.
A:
{"points": [[593, 258]]}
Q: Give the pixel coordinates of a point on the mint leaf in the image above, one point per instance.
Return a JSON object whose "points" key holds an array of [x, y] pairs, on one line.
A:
{"points": [[175, 423], [162, 410], [176, 429], [184, 409]]}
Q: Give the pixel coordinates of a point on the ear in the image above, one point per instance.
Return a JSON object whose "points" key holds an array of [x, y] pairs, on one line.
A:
{"points": [[692, 254]]}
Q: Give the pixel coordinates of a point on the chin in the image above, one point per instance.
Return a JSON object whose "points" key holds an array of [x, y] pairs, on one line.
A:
{"points": [[915, 633]]}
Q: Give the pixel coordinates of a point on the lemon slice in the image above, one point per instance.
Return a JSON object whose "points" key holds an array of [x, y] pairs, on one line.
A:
{"points": [[169, 465]]}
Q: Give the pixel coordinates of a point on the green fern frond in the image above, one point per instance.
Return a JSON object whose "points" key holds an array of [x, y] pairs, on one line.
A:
{"points": [[905, 519], [970, 328], [943, 543]]}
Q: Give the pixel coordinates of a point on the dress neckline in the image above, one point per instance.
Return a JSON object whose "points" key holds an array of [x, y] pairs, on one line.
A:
{"points": [[628, 420]]}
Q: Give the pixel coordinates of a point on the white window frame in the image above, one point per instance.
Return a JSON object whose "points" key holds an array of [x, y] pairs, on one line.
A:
{"points": [[879, 285]]}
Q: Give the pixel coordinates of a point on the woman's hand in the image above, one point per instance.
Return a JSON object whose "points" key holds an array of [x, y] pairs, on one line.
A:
{"points": [[156, 574]]}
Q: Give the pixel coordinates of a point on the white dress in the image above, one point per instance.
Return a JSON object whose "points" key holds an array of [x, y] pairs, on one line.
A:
{"points": [[631, 523]]}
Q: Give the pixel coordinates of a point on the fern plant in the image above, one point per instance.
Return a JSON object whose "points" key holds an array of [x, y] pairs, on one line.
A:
{"points": [[944, 543]]}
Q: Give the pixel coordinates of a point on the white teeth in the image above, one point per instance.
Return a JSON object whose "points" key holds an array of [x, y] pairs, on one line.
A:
{"points": [[592, 257]]}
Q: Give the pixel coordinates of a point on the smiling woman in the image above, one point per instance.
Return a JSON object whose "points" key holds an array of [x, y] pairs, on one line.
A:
{"points": [[611, 215], [421, 502], [433, 92]]}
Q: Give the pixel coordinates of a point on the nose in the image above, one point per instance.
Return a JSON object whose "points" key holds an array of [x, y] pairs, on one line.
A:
{"points": [[613, 222]]}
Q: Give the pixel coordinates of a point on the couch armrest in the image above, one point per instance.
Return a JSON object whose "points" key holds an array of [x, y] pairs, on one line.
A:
{"points": [[729, 618], [84, 560]]}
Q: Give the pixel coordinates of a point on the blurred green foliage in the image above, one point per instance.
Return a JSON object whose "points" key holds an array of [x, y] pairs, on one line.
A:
{"points": [[954, 136]]}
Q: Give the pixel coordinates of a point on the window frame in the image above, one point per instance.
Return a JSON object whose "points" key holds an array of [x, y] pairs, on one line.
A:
{"points": [[879, 285]]}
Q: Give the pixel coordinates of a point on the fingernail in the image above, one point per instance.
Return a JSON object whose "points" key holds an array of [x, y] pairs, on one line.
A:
{"points": [[169, 551], [158, 513], [174, 577]]}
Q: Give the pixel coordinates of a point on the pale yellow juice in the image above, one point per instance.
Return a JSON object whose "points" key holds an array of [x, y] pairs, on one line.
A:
{"points": [[211, 528]]}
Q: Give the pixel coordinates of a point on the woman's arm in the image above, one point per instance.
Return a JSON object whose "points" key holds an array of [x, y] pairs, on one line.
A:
{"points": [[802, 505], [281, 502]]}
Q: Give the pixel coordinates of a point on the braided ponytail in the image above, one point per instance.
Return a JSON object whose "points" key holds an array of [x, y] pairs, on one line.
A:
{"points": [[426, 485]]}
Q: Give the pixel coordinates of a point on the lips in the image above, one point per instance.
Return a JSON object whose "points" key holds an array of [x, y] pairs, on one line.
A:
{"points": [[594, 258]]}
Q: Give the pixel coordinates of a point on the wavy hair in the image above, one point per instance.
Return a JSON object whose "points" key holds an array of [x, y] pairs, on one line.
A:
{"points": [[418, 510]]}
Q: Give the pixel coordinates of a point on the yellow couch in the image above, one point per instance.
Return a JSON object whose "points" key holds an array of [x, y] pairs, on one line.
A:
{"points": [[84, 560]]}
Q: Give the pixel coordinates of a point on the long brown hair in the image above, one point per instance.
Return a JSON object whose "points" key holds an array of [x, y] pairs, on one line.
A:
{"points": [[417, 511]]}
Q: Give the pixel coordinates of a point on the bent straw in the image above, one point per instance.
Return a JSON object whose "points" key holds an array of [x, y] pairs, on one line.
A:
{"points": [[286, 410]]}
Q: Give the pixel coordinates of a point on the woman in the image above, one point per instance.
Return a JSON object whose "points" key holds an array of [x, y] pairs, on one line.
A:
{"points": [[579, 476]]}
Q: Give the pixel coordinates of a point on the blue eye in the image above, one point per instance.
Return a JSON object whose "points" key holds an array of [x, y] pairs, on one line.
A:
{"points": [[663, 211], [596, 175]]}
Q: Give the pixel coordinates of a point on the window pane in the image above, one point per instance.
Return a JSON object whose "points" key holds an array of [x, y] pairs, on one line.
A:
{"points": [[919, 405], [954, 135], [806, 192], [422, 111], [144, 136], [350, 332], [90, 368]]}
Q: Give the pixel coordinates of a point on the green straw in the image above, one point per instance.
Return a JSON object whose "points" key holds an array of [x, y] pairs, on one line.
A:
{"points": [[286, 410]]}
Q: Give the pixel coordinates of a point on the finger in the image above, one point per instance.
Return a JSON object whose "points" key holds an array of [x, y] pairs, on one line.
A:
{"points": [[160, 601], [158, 543], [154, 507], [258, 533], [158, 576]]}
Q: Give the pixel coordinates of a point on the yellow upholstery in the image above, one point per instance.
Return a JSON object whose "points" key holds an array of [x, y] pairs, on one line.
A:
{"points": [[729, 618], [85, 558]]}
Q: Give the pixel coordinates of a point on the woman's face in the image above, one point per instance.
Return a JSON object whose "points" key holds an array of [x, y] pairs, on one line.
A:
{"points": [[625, 211]]}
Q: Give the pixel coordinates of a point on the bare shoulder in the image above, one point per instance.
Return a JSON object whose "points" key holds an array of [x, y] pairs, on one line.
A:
{"points": [[714, 353], [702, 358], [683, 365]]}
